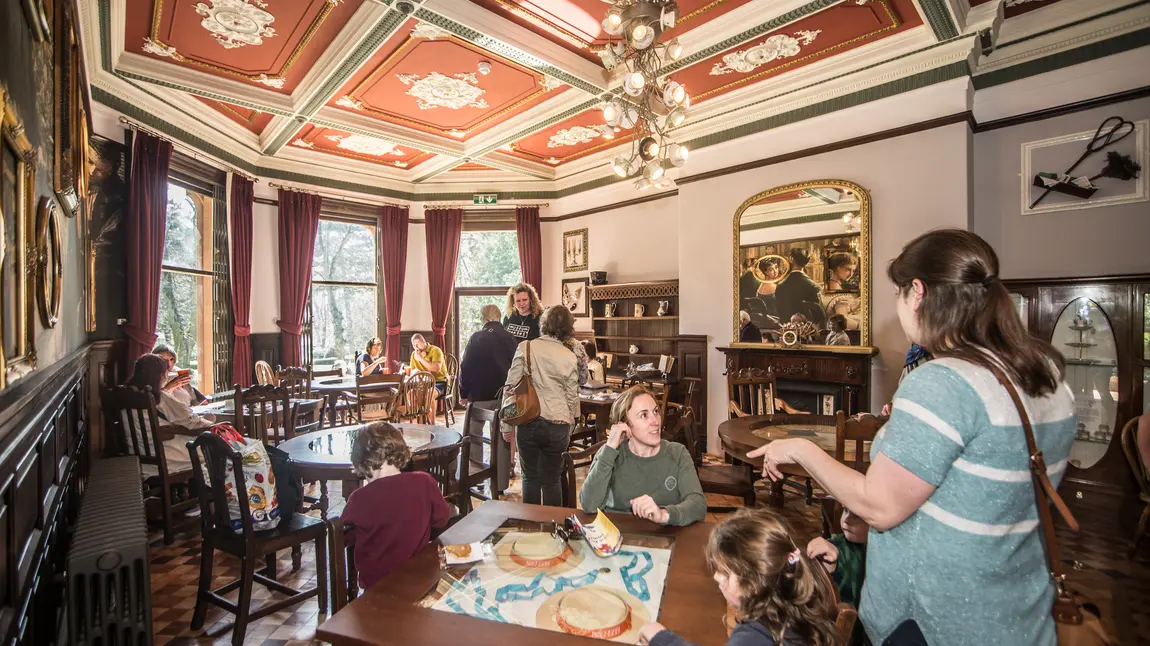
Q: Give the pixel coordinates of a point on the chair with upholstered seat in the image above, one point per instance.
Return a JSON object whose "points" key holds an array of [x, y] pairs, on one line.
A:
{"points": [[1141, 472], [211, 453]]}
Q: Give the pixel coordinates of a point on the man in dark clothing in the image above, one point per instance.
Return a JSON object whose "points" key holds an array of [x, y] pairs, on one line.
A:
{"points": [[522, 313], [748, 284], [797, 293], [748, 332], [482, 374]]}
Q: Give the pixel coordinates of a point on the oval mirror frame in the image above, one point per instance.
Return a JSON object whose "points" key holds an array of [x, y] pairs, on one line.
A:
{"points": [[49, 262], [864, 226]]}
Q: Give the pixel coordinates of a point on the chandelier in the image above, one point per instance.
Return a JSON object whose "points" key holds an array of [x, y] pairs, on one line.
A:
{"points": [[650, 105]]}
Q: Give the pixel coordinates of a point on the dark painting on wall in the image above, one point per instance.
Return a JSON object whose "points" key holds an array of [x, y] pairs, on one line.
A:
{"points": [[107, 266]]}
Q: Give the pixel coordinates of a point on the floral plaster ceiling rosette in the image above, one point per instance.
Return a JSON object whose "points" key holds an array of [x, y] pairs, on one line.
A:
{"points": [[573, 136], [441, 91], [775, 47], [236, 23], [365, 145]]}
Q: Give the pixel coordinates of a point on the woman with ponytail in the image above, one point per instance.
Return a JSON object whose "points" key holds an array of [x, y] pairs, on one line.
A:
{"points": [[955, 554], [780, 597]]}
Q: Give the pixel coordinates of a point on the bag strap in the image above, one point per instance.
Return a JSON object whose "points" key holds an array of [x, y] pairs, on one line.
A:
{"points": [[527, 368], [1044, 492]]}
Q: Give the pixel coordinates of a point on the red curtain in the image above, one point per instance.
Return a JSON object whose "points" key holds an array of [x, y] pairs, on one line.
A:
{"points": [[393, 235], [147, 224], [530, 246], [241, 230], [442, 233], [299, 220]]}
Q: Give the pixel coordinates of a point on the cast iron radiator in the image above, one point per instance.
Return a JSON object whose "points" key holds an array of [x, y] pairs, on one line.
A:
{"points": [[109, 599]]}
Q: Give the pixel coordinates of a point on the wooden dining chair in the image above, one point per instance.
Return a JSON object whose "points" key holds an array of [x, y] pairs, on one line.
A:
{"points": [[136, 412], [265, 376], [1141, 474], [377, 396], [418, 401], [296, 381], [344, 578], [751, 392], [441, 463], [211, 453], [570, 485], [476, 467], [736, 479], [342, 403], [308, 416], [446, 403], [264, 413], [857, 430]]}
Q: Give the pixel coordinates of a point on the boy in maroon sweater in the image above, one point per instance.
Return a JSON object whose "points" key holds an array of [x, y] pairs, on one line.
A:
{"points": [[394, 512]]}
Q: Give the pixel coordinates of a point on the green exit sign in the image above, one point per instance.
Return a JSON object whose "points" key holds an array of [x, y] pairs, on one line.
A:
{"points": [[485, 199]]}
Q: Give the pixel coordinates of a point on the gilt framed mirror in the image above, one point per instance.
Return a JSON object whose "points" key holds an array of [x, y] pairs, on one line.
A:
{"points": [[802, 267]]}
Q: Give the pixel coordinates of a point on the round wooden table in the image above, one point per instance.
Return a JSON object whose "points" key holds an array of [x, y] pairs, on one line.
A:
{"points": [[326, 455], [742, 435]]}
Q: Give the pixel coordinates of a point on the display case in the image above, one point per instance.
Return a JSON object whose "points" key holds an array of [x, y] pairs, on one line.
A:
{"points": [[1102, 327]]}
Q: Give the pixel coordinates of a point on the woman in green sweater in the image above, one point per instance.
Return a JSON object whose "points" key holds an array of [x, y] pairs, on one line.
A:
{"points": [[639, 472]]}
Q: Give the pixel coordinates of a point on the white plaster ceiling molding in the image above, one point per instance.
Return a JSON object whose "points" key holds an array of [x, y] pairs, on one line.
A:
{"points": [[752, 58], [436, 90], [365, 145], [572, 136], [237, 23]]}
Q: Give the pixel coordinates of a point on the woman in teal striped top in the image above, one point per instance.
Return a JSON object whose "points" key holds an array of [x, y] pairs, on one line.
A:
{"points": [[955, 554]]}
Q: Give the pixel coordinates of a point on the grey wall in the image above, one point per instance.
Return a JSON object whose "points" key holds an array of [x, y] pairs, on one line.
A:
{"points": [[1085, 242], [26, 70]]}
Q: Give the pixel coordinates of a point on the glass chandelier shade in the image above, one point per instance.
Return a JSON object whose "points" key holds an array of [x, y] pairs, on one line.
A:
{"points": [[652, 105]]}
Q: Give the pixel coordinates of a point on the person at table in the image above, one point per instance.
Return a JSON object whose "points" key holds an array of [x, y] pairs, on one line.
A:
{"points": [[748, 332], [179, 382], [429, 358], [394, 512], [797, 293], [521, 316], [151, 371], [595, 373], [640, 473], [555, 377], [482, 373], [950, 469], [373, 361], [779, 596]]}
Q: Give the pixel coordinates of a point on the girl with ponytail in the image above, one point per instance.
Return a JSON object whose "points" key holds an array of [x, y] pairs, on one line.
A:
{"points": [[781, 597], [955, 554]]}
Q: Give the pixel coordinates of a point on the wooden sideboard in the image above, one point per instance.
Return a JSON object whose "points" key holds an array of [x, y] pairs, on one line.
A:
{"points": [[843, 374]]}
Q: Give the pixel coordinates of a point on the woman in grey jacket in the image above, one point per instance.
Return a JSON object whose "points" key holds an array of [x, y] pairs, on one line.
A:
{"points": [[555, 376]]}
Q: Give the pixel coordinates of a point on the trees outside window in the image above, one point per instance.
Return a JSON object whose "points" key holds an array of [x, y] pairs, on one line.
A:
{"points": [[184, 317], [344, 292], [488, 266]]}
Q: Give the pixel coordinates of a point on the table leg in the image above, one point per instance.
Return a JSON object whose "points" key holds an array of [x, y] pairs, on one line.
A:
{"points": [[776, 499], [332, 400], [323, 499], [349, 486]]}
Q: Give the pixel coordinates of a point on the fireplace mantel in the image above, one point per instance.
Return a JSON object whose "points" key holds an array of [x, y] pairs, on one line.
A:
{"points": [[844, 371]]}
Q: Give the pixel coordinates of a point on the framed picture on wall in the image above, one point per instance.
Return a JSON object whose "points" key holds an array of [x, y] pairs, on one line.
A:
{"points": [[575, 250], [576, 296], [17, 215], [1081, 170]]}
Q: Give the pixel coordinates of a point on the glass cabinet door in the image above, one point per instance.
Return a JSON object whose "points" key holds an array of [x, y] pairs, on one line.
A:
{"points": [[1085, 338]]}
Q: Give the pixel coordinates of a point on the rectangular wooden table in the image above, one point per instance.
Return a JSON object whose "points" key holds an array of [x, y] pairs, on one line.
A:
{"points": [[387, 614]]}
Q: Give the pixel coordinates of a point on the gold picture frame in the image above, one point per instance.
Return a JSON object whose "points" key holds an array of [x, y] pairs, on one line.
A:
{"points": [[864, 250], [70, 117], [575, 250], [17, 188], [49, 262]]}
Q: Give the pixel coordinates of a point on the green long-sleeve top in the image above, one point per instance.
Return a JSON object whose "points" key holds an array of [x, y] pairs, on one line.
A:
{"points": [[850, 571], [617, 476]]}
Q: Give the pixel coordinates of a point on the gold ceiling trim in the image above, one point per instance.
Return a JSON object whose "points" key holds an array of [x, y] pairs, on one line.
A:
{"points": [[895, 24], [354, 94], [540, 21], [698, 12], [328, 6]]}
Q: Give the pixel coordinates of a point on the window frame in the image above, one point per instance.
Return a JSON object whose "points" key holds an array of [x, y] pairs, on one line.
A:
{"points": [[479, 221], [376, 284]]}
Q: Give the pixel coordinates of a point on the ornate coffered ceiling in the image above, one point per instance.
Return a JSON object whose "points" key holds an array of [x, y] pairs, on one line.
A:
{"points": [[407, 97]]}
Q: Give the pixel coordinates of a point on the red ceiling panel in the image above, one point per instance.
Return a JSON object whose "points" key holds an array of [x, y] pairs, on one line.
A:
{"points": [[577, 24], [361, 147], [438, 85], [472, 166], [568, 140], [829, 32], [247, 40], [253, 120]]}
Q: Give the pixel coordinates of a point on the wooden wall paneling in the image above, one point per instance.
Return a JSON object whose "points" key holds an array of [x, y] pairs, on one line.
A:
{"points": [[266, 347], [26, 508], [104, 370], [691, 363], [8, 564]]}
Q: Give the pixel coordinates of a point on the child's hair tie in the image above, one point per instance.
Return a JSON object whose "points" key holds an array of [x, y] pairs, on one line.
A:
{"points": [[793, 557]]}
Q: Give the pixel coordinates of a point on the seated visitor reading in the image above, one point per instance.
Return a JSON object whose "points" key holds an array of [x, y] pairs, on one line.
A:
{"points": [[639, 472], [394, 512]]}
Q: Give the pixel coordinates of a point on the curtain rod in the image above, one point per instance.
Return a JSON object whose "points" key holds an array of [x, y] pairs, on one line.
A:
{"points": [[470, 205], [332, 196], [196, 154]]}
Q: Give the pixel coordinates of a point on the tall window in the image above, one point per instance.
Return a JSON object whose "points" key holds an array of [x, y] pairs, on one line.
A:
{"points": [[185, 316], [488, 266], [344, 292]]}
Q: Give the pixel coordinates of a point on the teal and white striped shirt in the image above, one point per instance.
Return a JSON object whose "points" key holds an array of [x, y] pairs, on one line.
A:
{"points": [[968, 565]]}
